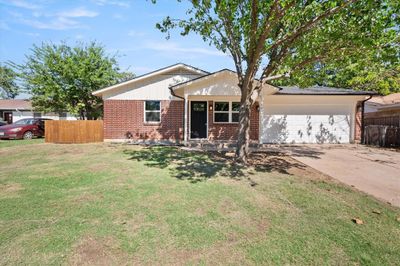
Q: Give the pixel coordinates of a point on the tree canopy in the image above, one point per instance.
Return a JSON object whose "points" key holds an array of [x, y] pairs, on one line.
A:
{"points": [[376, 69], [62, 78], [270, 40], [9, 88]]}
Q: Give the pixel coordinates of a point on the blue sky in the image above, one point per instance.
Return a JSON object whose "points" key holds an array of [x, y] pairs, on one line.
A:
{"points": [[126, 27]]}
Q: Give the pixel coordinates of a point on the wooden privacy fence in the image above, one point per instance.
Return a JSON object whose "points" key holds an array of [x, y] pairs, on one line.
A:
{"points": [[81, 131], [384, 136]]}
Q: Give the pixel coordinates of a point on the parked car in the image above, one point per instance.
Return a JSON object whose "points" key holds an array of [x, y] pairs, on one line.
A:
{"points": [[23, 129]]}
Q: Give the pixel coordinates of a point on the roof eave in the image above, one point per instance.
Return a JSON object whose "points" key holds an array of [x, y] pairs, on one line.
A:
{"points": [[148, 75], [326, 94]]}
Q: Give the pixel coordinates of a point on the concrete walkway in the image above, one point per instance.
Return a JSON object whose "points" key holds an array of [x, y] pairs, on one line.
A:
{"points": [[375, 171]]}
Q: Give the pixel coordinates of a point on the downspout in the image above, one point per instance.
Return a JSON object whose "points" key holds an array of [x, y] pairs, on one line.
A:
{"points": [[184, 102], [362, 118]]}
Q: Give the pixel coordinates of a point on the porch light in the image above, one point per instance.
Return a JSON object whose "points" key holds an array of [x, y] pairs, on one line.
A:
{"points": [[210, 107]]}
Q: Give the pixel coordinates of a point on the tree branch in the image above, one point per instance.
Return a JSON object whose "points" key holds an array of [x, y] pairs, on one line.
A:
{"points": [[236, 51], [310, 24]]}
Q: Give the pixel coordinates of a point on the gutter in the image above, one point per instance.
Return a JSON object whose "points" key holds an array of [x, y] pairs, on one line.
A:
{"points": [[362, 117]]}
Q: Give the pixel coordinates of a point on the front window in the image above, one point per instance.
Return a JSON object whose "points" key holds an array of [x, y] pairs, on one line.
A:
{"points": [[235, 112], [152, 111], [226, 112], [221, 112]]}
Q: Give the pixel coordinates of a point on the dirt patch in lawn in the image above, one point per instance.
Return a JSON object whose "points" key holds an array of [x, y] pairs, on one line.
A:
{"points": [[10, 190], [284, 164], [97, 251]]}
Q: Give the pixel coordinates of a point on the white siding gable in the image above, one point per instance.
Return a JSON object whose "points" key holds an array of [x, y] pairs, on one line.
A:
{"points": [[153, 88], [224, 84]]}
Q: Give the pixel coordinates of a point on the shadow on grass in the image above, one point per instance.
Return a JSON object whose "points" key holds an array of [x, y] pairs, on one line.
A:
{"points": [[194, 166], [273, 162], [197, 166]]}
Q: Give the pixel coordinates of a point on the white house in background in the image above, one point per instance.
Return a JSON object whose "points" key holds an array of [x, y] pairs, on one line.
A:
{"points": [[14, 110], [181, 103], [389, 104]]}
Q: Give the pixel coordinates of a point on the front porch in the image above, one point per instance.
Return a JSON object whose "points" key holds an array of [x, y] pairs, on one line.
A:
{"points": [[214, 119], [211, 108]]}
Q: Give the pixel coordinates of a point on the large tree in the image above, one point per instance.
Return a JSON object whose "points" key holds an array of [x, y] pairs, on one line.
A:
{"points": [[271, 39], [9, 88], [377, 70], [62, 78]]}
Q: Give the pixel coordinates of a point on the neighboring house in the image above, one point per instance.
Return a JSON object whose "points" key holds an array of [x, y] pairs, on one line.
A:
{"points": [[388, 104], [14, 110], [183, 103], [383, 110]]}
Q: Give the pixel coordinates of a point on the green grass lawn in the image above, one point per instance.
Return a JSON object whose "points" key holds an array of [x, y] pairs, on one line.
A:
{"points": [[19, 142], [116, 204]]}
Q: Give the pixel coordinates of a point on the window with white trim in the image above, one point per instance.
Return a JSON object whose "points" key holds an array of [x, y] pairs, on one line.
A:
{"points": [[152, 112], [226, 112], [235, 112]]}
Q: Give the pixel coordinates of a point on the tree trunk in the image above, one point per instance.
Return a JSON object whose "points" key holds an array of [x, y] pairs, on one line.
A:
{"points": [[242, 150]]}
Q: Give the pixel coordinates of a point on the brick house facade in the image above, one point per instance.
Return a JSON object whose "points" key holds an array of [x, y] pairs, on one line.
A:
{"points": [[158, 107], [123, 117], [126, 117]]}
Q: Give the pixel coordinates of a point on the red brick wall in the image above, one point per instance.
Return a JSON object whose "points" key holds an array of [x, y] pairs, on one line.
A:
{"points": [[358, 123], [122, 116], [229, 131]]}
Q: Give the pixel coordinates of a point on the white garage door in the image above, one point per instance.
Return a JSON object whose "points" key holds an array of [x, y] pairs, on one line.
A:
{"points": [[306, 124]]}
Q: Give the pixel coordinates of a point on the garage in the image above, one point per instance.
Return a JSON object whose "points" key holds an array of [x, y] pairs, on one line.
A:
{"points": [[295, 115]]}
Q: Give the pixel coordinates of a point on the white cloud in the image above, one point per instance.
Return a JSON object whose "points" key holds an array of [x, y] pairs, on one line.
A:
{"points": [[169, 50], [21, 4], [111, 2], [60, 23], [55, 21], [134, 33], [78, 12], [171, 47]]}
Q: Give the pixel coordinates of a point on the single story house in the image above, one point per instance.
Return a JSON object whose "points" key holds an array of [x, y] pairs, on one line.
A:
{"points": [[181, 103], [12, 110]]}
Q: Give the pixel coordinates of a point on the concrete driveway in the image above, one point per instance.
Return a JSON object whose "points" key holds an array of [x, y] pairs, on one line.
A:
{"points": [[372, 170]]}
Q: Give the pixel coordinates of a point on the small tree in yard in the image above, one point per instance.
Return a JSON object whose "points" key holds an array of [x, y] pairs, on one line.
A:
{"points": [[269, 40], [62, 78]]}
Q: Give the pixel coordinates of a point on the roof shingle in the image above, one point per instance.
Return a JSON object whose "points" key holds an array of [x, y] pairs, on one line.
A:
{"points": [[15, 104], [320, 90]]}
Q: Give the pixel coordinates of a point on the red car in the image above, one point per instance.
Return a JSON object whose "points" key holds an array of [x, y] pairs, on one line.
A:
{"points": [[23, 129]]}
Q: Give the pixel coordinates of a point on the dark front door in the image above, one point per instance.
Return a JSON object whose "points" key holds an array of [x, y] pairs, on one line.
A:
{"points": [[198, 120]]}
